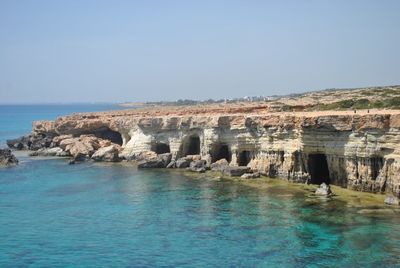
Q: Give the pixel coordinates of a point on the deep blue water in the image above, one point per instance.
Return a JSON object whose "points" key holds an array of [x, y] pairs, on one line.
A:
{"points": [[112, 215], [16, 120]]}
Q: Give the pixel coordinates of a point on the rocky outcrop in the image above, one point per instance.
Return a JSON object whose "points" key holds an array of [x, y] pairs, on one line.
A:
{"points": [[31, 142], [324, 190], [107, 154], [235, 171], [55, 151], [358, 151], [7, 158], [150, 159]]}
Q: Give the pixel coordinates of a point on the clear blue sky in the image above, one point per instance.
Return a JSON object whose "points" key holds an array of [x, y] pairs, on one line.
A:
{"points": [[114, 51]]}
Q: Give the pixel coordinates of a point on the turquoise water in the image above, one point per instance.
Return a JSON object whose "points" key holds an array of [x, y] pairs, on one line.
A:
{"points": [[112, 215]]}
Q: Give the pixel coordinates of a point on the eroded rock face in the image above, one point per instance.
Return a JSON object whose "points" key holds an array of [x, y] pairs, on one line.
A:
{"points": [[7, 158], [358, 151]]}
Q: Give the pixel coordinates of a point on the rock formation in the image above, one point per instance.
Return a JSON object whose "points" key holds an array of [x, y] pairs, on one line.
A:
{"points": [[324, 190], [358, 151], [7, 158]]}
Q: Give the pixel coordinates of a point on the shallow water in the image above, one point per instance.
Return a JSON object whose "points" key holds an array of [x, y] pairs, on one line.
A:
{"points": [[54, 214], [99, 215]]}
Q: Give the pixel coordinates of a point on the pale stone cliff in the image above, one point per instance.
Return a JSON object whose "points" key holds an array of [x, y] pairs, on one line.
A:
{"points": [[357, 151]]}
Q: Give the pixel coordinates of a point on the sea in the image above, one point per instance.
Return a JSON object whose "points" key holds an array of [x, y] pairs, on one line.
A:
{"points": [[113, 215]]}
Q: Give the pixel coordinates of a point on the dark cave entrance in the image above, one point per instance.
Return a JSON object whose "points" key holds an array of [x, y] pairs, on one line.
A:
{"points": [[190, 146], [318, 169], [160, 148], [221, 151], [243, 158], [108, 134], [376, 166]]}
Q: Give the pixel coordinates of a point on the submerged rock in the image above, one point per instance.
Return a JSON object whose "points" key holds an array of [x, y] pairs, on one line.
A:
{"points": [[235, 171], [7, 158], [250, 175], [392, 200], [324, 189]]}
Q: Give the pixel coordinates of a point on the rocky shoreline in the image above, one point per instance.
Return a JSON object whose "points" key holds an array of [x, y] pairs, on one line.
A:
{"points": [[354, 151]]}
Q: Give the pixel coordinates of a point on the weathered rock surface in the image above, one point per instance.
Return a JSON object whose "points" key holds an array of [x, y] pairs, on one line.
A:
{"points": [[219, 165], [55, 151], [152, 160], [7, 158], [198, 166], [83, 147], [183, 162], [107, 154], [324, 189], [31, 142]]}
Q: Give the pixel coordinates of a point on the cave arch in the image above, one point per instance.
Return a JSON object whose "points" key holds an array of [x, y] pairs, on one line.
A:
{"points": [[318, 169], [190, 146], [108, 134], [243, 158], [220, 151], [160, 148]]}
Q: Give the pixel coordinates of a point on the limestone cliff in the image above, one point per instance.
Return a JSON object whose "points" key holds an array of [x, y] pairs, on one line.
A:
{"points": [[359, 151]]}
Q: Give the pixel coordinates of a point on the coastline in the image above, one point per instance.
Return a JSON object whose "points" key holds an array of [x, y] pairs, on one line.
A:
{"points": [[352, 149]]}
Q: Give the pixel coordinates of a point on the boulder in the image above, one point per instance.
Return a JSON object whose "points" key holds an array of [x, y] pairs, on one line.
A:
{"points": [[198, 166], [250, 175], [183, 162], [165, 158], [7, 158], [21, 143], [392, 200], [146, 155], [38, 141], [235, 171], [324, 189], [82, 147], [172, 164], [157, 161], [57, 139], [219, 165], [108, 154]]}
